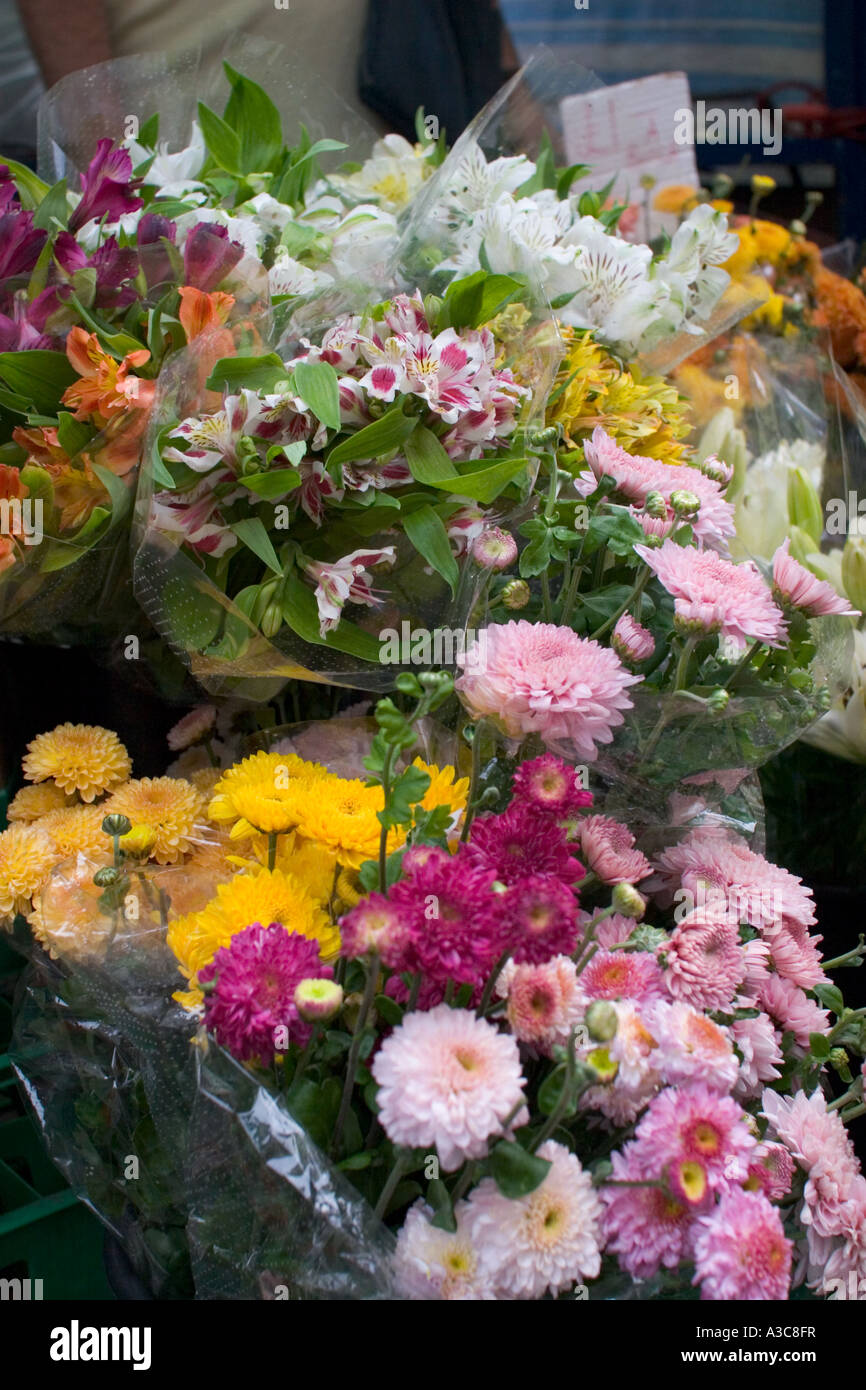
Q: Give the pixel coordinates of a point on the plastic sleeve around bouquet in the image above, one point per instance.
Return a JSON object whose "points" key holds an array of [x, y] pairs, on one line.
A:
{"points": [[270, 1216], [342, 743]]}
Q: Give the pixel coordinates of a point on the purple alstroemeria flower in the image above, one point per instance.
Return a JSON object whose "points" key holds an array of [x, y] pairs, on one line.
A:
{"points": [[106, 187], [20, 243], [208, 256], [115, 267], [8, 191], [25, 326], [152, 233]]}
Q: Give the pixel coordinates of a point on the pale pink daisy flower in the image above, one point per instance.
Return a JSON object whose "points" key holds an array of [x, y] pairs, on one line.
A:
{"points": [[741, 1250], [795, 953], [537, 678], [448, 1080], [758, 1044], [753, 890], [792, 1010], [645, 1227], [714, 595], [544, 1001], [192, 728], [691, 1047], [622, 975], [704, 962], [797, 587], [698, 1140], [548, 1240], [433, 1264], [632, 642], [608, 848]]}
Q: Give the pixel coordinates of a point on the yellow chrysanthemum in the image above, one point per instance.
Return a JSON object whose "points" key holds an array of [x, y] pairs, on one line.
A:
{"points": [[258, 794], [644, 414], [342, 813], [70, 920], [77, 830], [30, 803], [27, 856], [676, 198], [314, 865], [446, 788], [80, 758], [168, 805], [257, 897]]}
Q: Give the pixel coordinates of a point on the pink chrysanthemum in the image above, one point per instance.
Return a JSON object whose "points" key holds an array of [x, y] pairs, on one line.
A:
{"points": [[192, 728], [613, 931], [714, 595], [792, 1010], [549, 786], [747, 886], [608, 848], [698, 1140], [542, 1242], [255, 978], [773, 1169], [795, 953], [741, 1250], [758, 1045], [518, 844], [433, 1264], [622, 975], [544, 1001], [449, 1080], [819, 1141], [536, 678], [541, 916], [691, 1047], [645, 1227], [376, 925], [797, 587], [632, 642], [456, 927], [704, 963]]}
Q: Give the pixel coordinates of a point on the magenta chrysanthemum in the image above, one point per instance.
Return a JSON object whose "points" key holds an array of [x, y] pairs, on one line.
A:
{"points": [[645, 1227], [456, 927], [449, 1080], [798, 587], [608, 848], [376, 925], [255, 978], [714, 595], [546, 1240], [544, 1001], [541, 913], [704, 963], [741, 1250], [549, 786], [518, 844], [536, 678], [622, 975]]}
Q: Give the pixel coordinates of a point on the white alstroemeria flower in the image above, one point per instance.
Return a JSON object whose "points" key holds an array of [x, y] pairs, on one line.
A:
{"points": [[842, 730], [392, 175], [516, 236], [477, 182], [761, 508], [91, 236], [170, 170], [347, 580], [610, 284], [699, 246], [288, 276], [268, 212], [363, 242]]}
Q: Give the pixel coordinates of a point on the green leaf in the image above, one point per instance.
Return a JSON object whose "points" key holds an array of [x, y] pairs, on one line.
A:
{"points": [[516, 1172], [54, 208], [274, 484], [389, 1010], [356, 1161], [251, 532], [477, 298], [39, 374], [830, 996], [819, 1046], [251, 113], [301, 613], [223, 142], [484, 484], [382, 437], [119, 493], [158, 470], [439, 1198], [149, 132], [427, 533], [72, 435], [318, 387], [315, 1107], [59, 554], [31, 189], [617, 529], [257, 373], [297, 239], [427, 458], [550, 1092]]}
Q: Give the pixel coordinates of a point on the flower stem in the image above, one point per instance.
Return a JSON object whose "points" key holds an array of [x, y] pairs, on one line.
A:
{"points": [[354, 1053], [383, 835], [570, 594], [391, 1185], [741, 665], [615, 617], [682, 670], [473, 783], [272, 850], [491, 982]]}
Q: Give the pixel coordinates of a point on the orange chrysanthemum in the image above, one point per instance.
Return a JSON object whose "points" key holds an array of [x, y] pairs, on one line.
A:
{"points": [[168, 805], [76, 830], [27, 856], [30, 803], [81, 758]]}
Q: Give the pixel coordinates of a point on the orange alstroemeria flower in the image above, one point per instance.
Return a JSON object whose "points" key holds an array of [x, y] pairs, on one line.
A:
{"points": [[105, 387], [8, 553], [200, 311], [42, 445], [11, 485]]}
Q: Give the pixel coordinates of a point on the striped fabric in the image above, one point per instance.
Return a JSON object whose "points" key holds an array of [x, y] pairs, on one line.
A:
{"points": [[752, 45]]}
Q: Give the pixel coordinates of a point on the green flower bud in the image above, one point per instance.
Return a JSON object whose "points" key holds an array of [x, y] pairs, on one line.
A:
{"points": [[107, 877], [717, 701], [116, 825], [247, 456], [804, 506], [628, 901], [685, 503], [272, 620], [854, 571], [515, 594], [318, 1000], [655, 505], [602, 1020]]}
